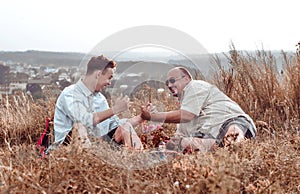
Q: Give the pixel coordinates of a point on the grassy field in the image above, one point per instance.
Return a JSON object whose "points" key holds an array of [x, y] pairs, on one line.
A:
{"points": [[270, 164]]}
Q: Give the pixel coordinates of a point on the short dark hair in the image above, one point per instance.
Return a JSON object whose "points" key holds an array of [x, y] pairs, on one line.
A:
{"points": [[99, 63]]}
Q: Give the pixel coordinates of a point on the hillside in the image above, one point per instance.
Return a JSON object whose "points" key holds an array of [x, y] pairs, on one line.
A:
{"points": [[268, 164], [42, 57], [203, 62]]}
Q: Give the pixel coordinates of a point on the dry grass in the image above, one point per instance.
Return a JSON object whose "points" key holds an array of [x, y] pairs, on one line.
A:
{"points": [[22, 119], [254, 82], [271, 164]]}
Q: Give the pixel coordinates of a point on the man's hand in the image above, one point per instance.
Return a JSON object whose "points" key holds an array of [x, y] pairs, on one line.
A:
{"points": [[120, 104], [145, 113], [118, 136], [151, 108]]}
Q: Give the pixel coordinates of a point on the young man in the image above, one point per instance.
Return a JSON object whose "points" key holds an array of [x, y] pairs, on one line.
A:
{"points": [[81, 107], [206, 115]]}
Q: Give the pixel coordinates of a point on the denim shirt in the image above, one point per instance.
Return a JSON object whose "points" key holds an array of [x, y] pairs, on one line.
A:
{"points": [[77, 103]]}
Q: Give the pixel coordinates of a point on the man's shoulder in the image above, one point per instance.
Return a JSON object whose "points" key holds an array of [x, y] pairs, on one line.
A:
{"points": [[196, 85], [72, 91], [200, 82], [68, 89]]}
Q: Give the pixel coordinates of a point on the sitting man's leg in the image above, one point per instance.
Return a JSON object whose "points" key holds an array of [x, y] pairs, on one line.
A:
{"points": [[128, 136], [234, 130], [233, 134], [80, 135], [124, 134], [190, 144]]}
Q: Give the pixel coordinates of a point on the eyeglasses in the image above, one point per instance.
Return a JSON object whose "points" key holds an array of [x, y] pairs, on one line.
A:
{"points": [[173, 80]]}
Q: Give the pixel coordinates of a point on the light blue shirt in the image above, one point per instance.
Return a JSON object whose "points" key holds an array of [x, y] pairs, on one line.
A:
{"points": [[77, 103]]}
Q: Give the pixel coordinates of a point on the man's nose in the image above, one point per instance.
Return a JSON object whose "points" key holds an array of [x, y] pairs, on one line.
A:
{"points": [[170, 85]]}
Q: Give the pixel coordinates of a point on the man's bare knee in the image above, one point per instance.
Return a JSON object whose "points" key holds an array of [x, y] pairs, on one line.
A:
{"points": [[233, 134], [80, 134]]}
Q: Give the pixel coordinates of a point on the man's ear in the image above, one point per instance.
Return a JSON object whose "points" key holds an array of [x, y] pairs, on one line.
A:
{"points": [[99, 73]]}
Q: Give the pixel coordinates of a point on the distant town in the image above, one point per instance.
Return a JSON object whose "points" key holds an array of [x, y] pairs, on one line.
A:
{"points": [[37, 80], [33, 79], [35, 72]]}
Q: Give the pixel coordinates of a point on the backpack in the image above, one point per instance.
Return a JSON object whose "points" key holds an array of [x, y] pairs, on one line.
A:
{"points": [[46, 138]]}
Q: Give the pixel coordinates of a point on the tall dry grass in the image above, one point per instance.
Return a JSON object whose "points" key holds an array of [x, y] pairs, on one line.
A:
{"points": [[22, 119], [266, 93], [270, 164]]}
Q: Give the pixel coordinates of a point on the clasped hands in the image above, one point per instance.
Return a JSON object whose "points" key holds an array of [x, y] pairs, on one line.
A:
{"points": [[147, 110], [123, 103]]}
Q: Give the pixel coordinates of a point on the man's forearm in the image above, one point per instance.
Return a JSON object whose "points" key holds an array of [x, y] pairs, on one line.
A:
{"points": [[101, 116], [176, 116], [134, 121], [168, 117]]}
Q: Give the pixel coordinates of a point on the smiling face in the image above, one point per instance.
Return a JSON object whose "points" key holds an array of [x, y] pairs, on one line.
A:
{"points": [[176, 82], [104, 79]]}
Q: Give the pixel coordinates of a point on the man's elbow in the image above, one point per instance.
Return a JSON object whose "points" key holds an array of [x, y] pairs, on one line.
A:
{"points": [[186, 116], [185, 120]]}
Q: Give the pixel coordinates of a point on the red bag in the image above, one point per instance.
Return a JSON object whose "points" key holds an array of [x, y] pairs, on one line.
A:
{"points": [[45, 139]]}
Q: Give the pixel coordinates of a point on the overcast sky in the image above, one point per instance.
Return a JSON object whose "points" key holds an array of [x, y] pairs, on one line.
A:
{"points": [[78, 26]]}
